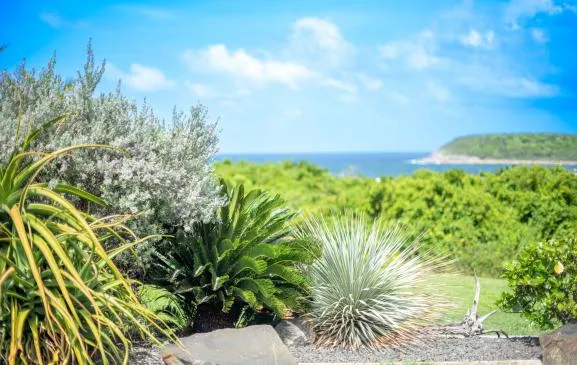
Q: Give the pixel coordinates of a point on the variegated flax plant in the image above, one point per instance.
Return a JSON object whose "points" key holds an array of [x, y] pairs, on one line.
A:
{"points": [[62, 299]]}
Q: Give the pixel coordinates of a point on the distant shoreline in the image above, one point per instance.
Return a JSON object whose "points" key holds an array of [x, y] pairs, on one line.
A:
{"points": [[440, 159]]}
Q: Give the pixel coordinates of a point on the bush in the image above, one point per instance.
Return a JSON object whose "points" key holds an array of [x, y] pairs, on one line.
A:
{"points": [[368, 284], [165, 177], [482, 220], [62, 299], [247, 258], [543, 280]]}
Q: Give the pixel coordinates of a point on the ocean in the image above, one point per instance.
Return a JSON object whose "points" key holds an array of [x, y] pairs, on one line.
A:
{"points": [[374, 164]]}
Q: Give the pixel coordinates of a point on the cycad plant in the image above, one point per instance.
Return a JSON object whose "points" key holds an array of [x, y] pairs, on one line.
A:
{"points": [[245, 259], [62, 299], [368, 284]]}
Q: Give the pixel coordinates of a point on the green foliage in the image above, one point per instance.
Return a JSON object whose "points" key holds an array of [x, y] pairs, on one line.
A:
{"points": [[62, 299], [459, 289], [369, 284], [164, 177], [303, 185], [481, 220], [247, 256], [165, 305], [543, 280], [536, 146]]}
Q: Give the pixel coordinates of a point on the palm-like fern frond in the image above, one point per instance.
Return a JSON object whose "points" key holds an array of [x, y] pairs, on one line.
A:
{"points": [[247, 256]]}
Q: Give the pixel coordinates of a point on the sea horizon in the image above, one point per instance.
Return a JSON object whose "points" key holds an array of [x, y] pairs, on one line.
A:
{"points": [[368, 164]]}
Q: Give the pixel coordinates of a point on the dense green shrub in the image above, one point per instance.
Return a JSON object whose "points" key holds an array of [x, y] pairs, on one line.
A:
{"points": [[368, 284], [523, 146], [482, 220], [62, 299], [246, 258], [543, 282], [165, 175]]}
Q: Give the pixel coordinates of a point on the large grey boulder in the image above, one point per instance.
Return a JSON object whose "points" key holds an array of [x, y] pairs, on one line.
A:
{"points": [[560, 346], [295, 332], [258, 345]]}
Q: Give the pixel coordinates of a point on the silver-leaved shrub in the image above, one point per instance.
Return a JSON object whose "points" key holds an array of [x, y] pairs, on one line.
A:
{"points": [[165, 177]]}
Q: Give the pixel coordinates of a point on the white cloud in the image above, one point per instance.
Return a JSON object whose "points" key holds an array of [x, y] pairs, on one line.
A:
{"points": [[52, 19], [150, 12], [240, 64], [55, 20], [438, 92], [349, 98], [370, 83], [340, 85], [293, 113], [420, 59], [514, 87], [518, 10], [390, 51], [478, 40], [399, 98], [321, 40], [539, 35], [200, 90], [427, 33], [141, 77], [417, 54], [226, 98]]}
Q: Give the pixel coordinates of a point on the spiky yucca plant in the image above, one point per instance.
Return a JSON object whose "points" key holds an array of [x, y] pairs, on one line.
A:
{"points": [[367, 285], [245, 258], [62, 299]]}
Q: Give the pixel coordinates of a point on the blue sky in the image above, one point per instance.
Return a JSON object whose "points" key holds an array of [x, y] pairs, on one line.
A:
{"points": [[306, 76]]}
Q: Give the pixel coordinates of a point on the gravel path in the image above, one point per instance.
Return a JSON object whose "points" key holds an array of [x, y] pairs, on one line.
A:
{"points": [[144, 354], [440, 349]]}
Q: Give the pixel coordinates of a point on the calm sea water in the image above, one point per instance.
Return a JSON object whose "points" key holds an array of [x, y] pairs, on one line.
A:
{"points": [[365, 164]]}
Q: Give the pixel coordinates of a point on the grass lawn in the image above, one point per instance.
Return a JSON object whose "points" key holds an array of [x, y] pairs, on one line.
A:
{"points": [[460, 290]]}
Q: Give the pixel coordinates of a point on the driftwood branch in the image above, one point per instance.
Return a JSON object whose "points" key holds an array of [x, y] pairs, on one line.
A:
{"points": [[472, 324]]}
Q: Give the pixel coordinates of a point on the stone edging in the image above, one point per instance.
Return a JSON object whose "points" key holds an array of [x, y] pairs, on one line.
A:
{"points": [[501, 362]]}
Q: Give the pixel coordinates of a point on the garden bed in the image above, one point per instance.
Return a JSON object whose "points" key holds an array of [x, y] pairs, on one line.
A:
{"points": [[439, 349]]}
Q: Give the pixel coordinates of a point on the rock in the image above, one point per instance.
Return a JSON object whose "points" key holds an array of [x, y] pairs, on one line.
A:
{"points": [[258, 345], [295, 332], [560, 346]]}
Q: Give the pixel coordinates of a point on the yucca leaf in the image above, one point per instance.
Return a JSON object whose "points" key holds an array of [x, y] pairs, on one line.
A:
{"points": [[364, 280]]}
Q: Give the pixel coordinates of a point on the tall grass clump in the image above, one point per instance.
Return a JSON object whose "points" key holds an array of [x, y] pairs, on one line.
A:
{"points": [[368, 284], [62, 299]]}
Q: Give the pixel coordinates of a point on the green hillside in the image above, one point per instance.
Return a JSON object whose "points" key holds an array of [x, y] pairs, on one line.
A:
{"points": [[515, 146]]}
